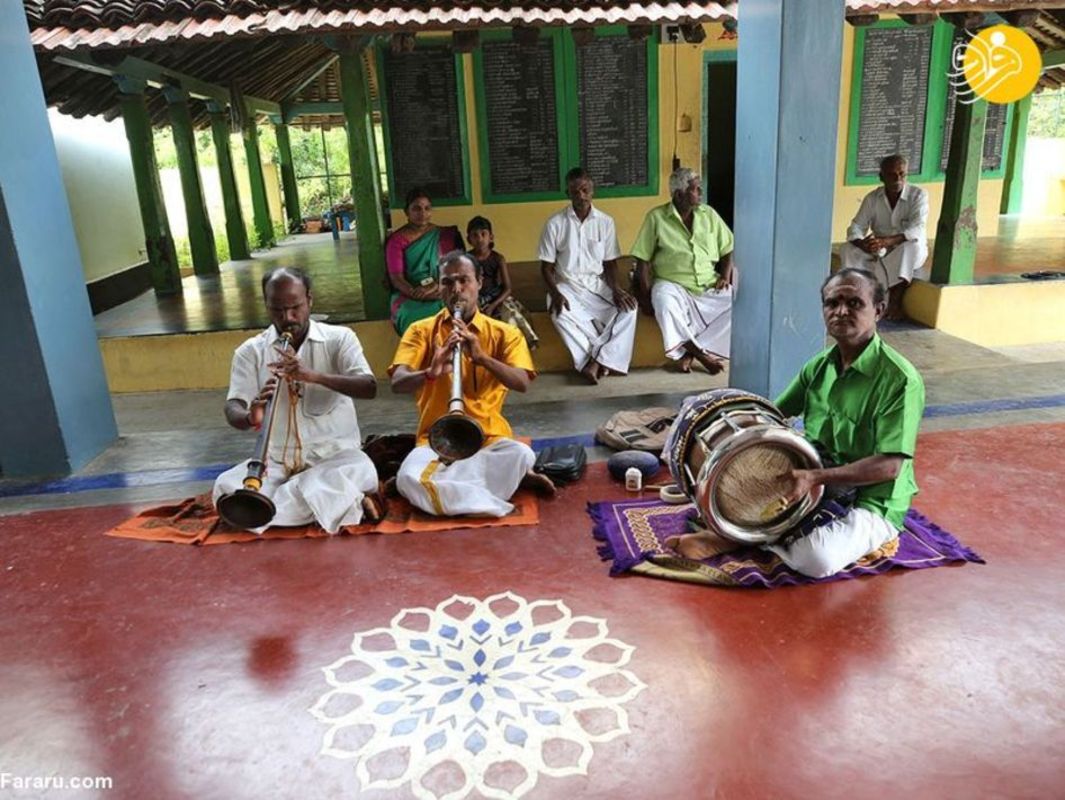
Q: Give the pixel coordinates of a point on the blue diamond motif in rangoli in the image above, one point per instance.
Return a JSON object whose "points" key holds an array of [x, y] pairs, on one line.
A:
{"points": [[476, 687]]}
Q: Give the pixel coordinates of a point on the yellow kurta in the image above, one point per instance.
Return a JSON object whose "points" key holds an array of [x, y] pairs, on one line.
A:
{"points": [[481, 391]]}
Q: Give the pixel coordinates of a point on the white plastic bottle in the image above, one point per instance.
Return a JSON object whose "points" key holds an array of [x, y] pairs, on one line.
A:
{"points": [[633, 480]]}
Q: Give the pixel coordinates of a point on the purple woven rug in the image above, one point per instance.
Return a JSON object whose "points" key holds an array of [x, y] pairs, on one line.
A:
{"points": [[631, 533]]}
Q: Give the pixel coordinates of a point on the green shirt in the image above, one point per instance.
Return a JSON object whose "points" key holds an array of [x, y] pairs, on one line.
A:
{"points": [[679, 255], [873, 408]]}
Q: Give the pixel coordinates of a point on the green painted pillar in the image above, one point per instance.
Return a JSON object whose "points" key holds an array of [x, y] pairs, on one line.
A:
{"points": [[365, 183], [264, 229], [288, 176], [201, 235], [235, 233], [955, 247], [1013, 184], [159, 244]]}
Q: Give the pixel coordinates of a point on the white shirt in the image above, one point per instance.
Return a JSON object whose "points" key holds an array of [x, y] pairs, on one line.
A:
{"points": [[578, 249], [326, 419], [908, 217]]}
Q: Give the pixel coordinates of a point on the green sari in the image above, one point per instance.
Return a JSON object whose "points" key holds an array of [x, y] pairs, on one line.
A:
{"points": [[420, 262]]}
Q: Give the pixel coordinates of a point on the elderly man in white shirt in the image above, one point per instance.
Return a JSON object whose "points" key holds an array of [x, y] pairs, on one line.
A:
{"points": [[316, 470], [578, 254], [887, 235]]}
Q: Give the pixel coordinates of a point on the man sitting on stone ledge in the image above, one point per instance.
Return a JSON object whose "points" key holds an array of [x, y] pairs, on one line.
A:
{"points": [[887, 235]]}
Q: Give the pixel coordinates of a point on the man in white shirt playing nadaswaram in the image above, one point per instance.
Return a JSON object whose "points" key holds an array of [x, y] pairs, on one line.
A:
{"points": [[887, 235], [316, 469], [578, 255]]}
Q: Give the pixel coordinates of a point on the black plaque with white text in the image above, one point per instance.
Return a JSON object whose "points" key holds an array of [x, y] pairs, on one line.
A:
{"points": [[894, 95], [612, 107], [423, 123], [520, 117], [994, 130]]}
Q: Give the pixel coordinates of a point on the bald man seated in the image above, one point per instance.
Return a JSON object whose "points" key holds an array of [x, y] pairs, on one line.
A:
{"points": [[316, 470]]}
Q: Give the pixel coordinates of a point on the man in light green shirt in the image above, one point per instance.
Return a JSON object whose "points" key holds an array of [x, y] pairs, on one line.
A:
{"points": [[861, 403], [685, 275]]}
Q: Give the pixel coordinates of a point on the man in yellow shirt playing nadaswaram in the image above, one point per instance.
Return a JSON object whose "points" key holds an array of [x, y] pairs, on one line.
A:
{"points": [[495, 360]]}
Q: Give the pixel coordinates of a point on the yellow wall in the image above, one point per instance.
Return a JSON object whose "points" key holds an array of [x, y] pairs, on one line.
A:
{"points": [[517, 225], [98, 178], [202, 360], [994, 314]]}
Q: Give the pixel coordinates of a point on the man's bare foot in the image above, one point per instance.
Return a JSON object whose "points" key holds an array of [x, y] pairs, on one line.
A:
{"points": [[710, 362], [894, 307], [591, 372], [698, 546], [538, 483], [374, 507], [685, 363]]}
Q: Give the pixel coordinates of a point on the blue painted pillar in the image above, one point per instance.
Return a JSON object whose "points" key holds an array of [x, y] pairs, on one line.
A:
{"points": [[787, 116], [57, 410]]}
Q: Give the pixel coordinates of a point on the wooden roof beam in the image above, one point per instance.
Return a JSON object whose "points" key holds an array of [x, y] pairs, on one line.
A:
{"points": [[1021, 18], [863, 20], [969, 20], [158, 76], [919, 19]]}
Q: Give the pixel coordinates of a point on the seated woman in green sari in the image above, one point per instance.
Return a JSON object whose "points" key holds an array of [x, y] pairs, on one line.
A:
{"points": [[412, 254]]}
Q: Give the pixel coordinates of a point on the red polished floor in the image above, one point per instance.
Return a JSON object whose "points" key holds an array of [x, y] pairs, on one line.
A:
{"points": [[186, 672]]}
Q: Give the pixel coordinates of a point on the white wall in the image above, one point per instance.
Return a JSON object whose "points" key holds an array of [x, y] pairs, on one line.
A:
{"points": [[94, 160]]}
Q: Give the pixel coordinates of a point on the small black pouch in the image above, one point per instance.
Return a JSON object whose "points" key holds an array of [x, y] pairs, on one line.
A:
{"points": [[562, 463]]}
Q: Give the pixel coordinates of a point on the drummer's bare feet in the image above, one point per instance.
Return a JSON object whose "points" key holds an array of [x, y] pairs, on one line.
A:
{"points": [[698, 546], [685, 363], [538, 483]]}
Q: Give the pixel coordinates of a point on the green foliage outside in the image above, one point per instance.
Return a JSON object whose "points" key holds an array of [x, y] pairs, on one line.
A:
{"points": [[317, 154], [1046, 120], [320, 159]]}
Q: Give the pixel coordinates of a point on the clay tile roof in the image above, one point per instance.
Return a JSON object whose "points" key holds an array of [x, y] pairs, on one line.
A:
{"points": [[70, 24]]}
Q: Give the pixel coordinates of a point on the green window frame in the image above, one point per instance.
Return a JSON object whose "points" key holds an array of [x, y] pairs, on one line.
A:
{"points": [[935, 109], [395, 196], [567, 116]]}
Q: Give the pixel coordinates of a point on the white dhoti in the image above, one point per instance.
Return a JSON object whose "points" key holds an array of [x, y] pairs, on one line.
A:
{"points": [[902, 263], [828, 549], [481, 484], [329, 492], [704, 319], [593, 328]]}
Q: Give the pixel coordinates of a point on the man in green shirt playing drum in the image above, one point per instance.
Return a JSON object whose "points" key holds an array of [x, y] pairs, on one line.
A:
{"points": [[861, 402]]}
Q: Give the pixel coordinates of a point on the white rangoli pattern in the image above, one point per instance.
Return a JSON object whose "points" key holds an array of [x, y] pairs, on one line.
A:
{"points": [[477, 685]]}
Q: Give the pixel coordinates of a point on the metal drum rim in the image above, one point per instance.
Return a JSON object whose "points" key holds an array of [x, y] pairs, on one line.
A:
{"points": [[680, 447], [706, 491]]}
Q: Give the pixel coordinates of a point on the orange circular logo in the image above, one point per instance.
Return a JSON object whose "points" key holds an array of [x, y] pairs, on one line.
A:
{"points": [[1001, 64]]}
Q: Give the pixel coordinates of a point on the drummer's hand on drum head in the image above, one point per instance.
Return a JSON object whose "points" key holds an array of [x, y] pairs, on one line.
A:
{"points": [[800, 483]]}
